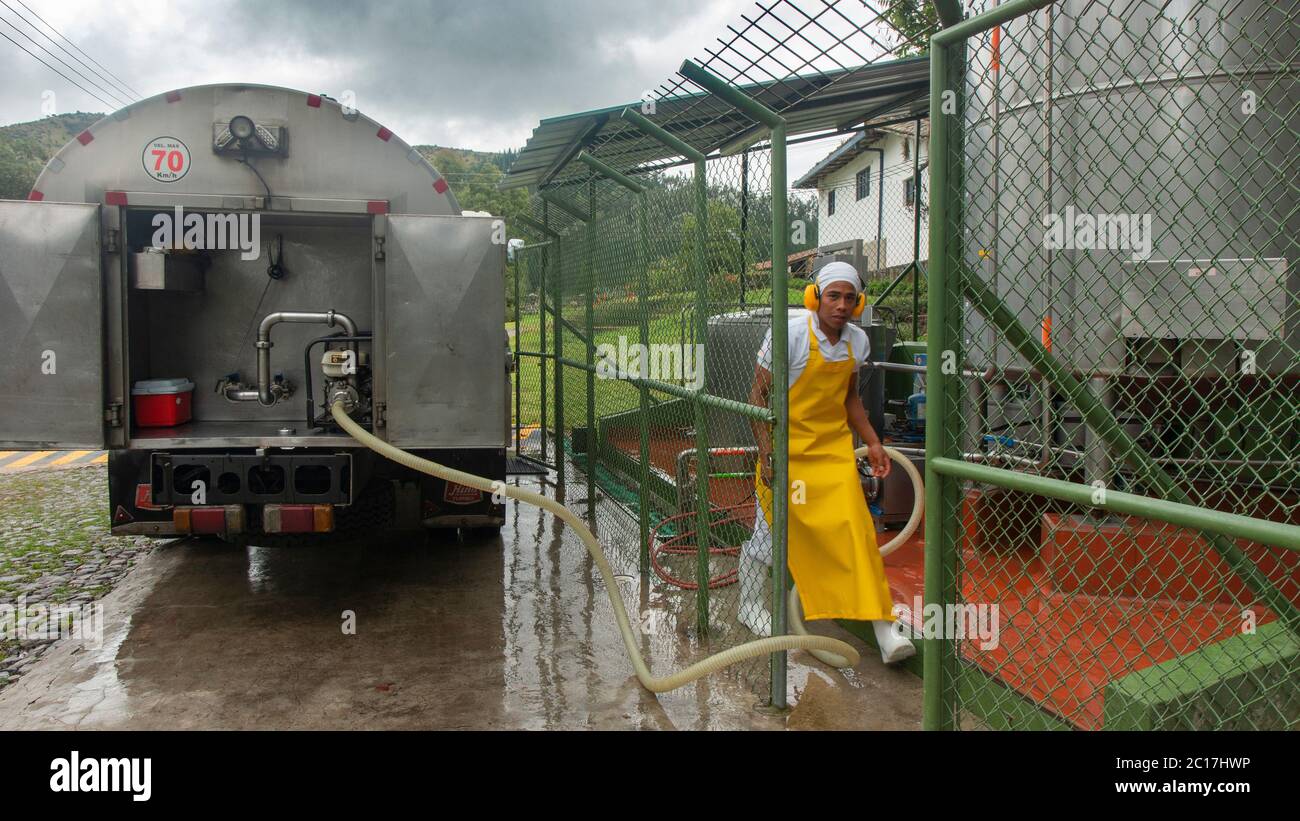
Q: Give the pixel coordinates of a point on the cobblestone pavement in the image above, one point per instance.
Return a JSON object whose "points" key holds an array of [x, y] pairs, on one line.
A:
{"points": [[55, 549]]}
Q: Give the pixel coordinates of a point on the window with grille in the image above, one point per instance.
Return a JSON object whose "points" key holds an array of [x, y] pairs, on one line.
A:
{"points": [[864, 183]]}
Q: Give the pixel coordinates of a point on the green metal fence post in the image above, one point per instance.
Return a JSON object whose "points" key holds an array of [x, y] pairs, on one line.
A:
{"points": [[541, 335], [589, 270], [744, 222], [704, 540], [642, 291], [518, 260], [588, 341], [780, 406], [702, 535], [916, 234], [558, 304], [944, 334], [943, 493], [780, 331], [641, 261], [554, 238]]}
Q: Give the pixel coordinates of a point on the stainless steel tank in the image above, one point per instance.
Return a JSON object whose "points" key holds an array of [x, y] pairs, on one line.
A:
{"points": [[364, 226], [1183, 113], [731, 352], [330, 153]]}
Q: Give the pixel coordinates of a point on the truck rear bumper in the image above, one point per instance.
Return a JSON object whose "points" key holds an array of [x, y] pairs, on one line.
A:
{"points": [[147, 487]]}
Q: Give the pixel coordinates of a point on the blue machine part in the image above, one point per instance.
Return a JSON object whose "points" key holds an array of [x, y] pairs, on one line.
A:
{"points": [[916, 411], [1005, 441]]}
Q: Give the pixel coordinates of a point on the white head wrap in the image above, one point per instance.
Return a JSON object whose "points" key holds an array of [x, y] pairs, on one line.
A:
{"points": [[838, 272]]}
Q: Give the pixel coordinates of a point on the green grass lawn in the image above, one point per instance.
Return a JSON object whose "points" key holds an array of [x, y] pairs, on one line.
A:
{"points": [[666, 325]]}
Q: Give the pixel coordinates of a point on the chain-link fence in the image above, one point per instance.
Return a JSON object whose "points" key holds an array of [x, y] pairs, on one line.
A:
{"points": [[873, 209], [1114, 380], [530, 341], [1110, 331], [662, 247], [652, 468]]}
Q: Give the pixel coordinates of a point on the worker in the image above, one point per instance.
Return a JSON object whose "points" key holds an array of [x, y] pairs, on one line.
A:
{"points": [[833, 556]]}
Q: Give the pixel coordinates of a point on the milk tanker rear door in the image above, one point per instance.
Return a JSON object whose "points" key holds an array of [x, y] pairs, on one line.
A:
{"points": [[52, 309], [440, 318]]}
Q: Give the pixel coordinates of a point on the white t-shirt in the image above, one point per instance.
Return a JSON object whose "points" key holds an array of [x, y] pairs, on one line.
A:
{"points": [[759, 545], [798, 347]]}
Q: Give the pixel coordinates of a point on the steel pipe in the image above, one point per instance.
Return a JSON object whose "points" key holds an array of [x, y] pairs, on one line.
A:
{"points": [[265, 395]]}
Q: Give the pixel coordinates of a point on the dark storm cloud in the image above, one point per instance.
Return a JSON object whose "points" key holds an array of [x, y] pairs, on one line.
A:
{"points": [[478, 74], [507, 63]]}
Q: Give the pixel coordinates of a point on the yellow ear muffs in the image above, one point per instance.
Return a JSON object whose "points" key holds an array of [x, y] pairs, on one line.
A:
{"points": [[812, 296]]}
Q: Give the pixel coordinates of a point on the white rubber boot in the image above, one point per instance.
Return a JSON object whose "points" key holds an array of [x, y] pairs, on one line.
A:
{"points": [[753, 608], [893, 647]]}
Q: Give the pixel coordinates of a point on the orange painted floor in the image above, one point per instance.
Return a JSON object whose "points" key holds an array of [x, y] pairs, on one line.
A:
{"points": [[1058, 650]]}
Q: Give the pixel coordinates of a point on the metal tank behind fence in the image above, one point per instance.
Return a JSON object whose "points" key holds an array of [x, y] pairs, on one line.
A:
{"points": [[733, 342], [731, 351], [1134, 113]]}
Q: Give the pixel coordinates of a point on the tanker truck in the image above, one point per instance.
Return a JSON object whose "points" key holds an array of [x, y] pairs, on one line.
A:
{"points": [[198, 278]]}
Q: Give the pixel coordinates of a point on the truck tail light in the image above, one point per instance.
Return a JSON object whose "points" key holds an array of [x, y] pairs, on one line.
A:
{"points": [[221, 520], [297, 518]]}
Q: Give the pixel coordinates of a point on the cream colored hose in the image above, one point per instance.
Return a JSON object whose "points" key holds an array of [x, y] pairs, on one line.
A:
{"points": [[749, 650], [794, 607]]}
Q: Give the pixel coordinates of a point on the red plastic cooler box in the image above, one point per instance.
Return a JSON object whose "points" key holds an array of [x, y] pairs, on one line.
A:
{"points": [[162, 403]]}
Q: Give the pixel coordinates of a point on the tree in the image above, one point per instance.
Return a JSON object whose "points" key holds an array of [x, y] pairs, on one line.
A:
{"points": [[913, 20], [26, 147]]}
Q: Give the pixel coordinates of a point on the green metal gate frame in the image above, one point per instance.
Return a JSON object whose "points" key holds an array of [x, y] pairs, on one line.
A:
{"points": [[698, 399], [951, 282]]}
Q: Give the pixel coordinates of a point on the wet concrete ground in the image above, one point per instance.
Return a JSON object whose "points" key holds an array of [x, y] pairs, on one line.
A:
{"points": [[508, 633]]}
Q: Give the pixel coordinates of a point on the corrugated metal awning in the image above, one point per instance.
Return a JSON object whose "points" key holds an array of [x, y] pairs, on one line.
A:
{"points": [[827, 102]]}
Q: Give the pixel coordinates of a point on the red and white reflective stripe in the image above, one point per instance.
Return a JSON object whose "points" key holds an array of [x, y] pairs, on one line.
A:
{"points": [[313, 100], [35, 196], [440, 185], [173, 97], [115, 198], [377, 207], [384, 134], [85, 137]]}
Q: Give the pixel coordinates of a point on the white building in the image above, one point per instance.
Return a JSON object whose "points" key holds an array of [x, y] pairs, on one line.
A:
{"points": [[866, 191]]}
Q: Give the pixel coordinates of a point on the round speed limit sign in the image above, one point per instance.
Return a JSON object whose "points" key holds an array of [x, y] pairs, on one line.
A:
{"points": [[166, 159]]}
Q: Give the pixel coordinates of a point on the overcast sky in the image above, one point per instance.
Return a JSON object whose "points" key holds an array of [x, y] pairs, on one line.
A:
{"points": [[466, 73]]}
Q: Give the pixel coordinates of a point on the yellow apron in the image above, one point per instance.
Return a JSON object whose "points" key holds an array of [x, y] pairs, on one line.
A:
{"points": [[832, 541]]}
